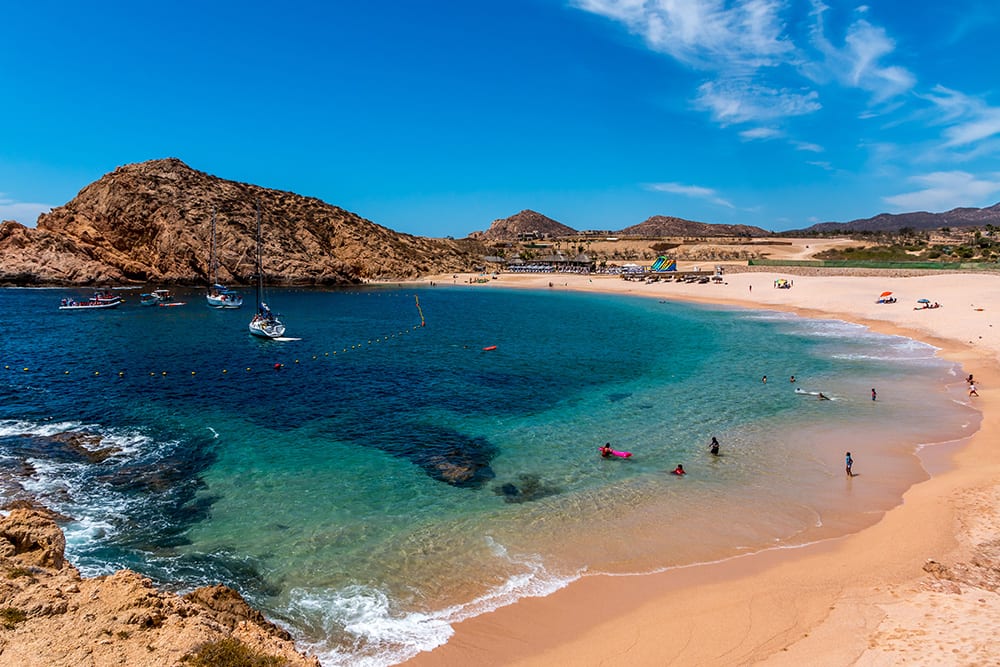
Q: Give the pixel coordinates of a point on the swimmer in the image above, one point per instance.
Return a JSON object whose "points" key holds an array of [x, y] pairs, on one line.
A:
{"points": [[605, 450], [679, 470], [822, 397]]}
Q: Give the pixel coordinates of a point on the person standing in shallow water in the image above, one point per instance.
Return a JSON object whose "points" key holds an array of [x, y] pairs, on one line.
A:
{"points": [[849, 463], [873, 393], [714, 446]]}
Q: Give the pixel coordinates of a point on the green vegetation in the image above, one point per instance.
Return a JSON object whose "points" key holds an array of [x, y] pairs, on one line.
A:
{"points": [[908, 245], [230, 652], [16, 572], [11, 616]]}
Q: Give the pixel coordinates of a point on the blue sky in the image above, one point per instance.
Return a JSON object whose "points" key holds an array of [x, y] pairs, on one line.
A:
{"points": [[435, 118]]}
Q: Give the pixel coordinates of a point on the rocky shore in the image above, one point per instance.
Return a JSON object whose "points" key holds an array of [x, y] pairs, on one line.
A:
{"points": [[51, 616]]}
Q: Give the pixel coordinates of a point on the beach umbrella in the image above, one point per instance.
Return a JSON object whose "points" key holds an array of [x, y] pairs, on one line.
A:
{"points": [[923, 300], [885, 293]]}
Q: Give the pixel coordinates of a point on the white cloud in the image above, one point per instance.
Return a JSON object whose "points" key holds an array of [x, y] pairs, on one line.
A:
{"points": [[945, 190], [857, 63], [739, 101], [969, 119], [806, 146], [761, 134], [709, 34], [24, 212], [695, 191]]}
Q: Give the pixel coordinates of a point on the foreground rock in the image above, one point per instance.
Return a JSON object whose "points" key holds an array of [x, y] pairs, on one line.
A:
{"points": [[51, 616]]}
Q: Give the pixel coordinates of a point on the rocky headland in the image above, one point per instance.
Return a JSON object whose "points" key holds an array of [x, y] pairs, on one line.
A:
{"points": [[152, 222], [51, 616]]}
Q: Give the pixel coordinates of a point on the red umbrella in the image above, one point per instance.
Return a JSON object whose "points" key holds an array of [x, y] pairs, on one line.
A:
{"points": [[885, 293]]}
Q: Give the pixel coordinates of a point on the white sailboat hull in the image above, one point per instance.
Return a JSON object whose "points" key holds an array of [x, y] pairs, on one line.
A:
{"points": [[224, 300], [265, 329]]}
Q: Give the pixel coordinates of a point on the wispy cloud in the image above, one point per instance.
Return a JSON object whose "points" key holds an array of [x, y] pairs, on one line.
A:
{"points": [[761, 134], [694, 191], [969, 120], [708, 34], [858, 62], [24, 212], [738, 101], [747, 45], [945, 190], [806, 146]]}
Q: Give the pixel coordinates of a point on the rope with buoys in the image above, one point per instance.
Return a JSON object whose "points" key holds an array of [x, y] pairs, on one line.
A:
{"points": [[123, 373]]}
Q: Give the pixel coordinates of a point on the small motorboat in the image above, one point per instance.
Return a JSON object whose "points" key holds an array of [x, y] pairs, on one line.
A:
{"points": [[92, 304], [155, 298]]}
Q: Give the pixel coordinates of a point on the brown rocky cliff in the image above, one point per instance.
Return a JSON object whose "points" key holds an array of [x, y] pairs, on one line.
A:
{"points": [[525, 222], [151, 222], [660, 226], [50, 616]]}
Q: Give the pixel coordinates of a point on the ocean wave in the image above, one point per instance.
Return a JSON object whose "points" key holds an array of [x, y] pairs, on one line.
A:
{"points": [[363, 626]]}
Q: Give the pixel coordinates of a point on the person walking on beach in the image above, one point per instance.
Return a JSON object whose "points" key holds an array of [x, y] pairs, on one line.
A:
{"points": [[849, 463], [714, 447], [873, 393], [972, 389]]}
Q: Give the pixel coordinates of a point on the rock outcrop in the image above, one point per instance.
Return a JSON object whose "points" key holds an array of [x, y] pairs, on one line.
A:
{"points": [[526, 222], [660, 226], [151, 222], [51, 616]]}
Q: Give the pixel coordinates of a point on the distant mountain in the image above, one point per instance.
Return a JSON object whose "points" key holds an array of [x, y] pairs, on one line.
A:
{"points": [[662, 225], [920, 220], [151, 222], [525, 222]]}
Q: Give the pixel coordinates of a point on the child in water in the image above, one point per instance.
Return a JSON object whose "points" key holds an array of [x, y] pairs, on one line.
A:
{"points": [[679, 470]]}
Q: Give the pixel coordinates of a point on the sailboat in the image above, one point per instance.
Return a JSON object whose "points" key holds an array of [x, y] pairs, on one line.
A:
{"points": [[219, 296], [264, 323]]}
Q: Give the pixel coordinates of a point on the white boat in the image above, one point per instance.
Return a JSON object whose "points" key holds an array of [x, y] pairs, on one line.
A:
{"points": [[155, 298], [219, 296], [264, 323], [106, 297], [92, 304]]}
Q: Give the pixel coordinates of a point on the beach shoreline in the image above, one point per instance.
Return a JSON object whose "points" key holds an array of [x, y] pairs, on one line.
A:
{"points": [[896, 591]]}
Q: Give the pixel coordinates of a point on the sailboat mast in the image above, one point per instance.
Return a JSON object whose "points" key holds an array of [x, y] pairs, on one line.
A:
{"points": [[260, 266], [213, 268]]}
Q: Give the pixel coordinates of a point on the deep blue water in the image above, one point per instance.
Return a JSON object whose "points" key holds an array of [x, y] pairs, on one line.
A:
{"points": [[389, 478]]}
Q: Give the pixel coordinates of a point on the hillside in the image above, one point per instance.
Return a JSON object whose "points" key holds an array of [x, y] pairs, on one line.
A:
{"points": [[151, 222], [920, 221], [668, 226], [525, 222]]}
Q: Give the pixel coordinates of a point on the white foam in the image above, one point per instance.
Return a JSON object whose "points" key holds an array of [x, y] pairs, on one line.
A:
{"points": [[384, 636]]}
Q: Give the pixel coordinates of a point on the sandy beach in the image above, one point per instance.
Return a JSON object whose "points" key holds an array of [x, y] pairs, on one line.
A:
{"points": [[918, 587]]}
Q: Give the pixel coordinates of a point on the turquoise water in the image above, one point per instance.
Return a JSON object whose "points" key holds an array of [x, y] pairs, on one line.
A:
{"points": [[390, 479]]}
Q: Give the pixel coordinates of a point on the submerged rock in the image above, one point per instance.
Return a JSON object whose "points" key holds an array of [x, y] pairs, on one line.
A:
{"points": [[531, 487]]}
